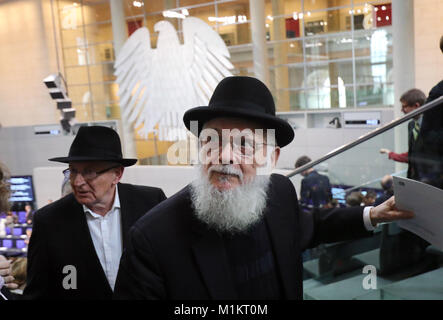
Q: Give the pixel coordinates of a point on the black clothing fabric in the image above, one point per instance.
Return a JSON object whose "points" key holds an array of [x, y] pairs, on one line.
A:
{"points": [[252, 264], [430, 155], [414, 147], [315, 190], [172, 255], [61, 237]]}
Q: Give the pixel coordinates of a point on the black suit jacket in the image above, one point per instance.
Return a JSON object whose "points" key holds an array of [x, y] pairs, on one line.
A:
{"points": [[171, 255], [414, 147], [61, 237]]}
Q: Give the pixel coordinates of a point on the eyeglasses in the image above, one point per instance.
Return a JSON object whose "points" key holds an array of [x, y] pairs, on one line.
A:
{"points": [[88, 175], [241, 146]]}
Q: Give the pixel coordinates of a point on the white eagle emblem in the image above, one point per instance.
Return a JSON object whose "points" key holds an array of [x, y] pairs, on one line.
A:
{"points": [[156, 86]]}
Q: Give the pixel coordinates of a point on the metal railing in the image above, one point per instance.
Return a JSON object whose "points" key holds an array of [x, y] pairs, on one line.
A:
{"points": [[369, 135]]}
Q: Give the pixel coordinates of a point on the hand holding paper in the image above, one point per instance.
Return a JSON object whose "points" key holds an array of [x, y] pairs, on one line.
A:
{"points": [[387, 212]]}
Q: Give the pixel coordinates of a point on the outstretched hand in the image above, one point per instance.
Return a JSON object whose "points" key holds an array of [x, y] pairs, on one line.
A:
{"points": [[5, 272], [387, 212]]}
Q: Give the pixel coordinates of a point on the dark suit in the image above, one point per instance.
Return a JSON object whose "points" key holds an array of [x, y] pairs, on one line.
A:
{"points": [[413, 148], [430, 155], [315, 190], [171, 255], [61, 237]]}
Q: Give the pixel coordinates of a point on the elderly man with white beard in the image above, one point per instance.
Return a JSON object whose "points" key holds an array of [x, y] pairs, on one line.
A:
{"points": [[236, 231]]}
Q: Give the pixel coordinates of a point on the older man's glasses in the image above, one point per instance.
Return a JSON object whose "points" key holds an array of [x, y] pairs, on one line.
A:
{"points": [[88, 175], [241, 146]]}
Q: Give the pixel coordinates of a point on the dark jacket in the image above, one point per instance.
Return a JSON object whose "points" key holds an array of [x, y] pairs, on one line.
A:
{"points": [[430, 154], [315, 190], [171, 255], [61, 237], [414, 147]]}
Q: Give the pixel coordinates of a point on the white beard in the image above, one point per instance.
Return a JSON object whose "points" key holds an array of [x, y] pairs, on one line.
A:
{"points": [[231, 211]]}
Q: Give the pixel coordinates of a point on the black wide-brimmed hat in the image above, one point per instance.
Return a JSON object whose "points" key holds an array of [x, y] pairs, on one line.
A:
{"points": [[242, 97], [96, 143]]}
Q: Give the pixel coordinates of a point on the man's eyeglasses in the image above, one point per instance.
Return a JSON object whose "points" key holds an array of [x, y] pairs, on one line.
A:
{"points": [[241, 146], [88, 175]]}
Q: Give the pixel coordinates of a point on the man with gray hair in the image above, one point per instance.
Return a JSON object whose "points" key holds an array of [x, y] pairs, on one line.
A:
{"points": [[236, 232]]}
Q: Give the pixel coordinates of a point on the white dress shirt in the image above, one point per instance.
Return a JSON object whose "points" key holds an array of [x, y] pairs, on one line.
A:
{"points": [[106, 234]]}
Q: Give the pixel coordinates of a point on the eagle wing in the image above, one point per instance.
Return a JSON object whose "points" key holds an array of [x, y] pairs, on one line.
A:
{"points": [[133, 70], [206, 57]]}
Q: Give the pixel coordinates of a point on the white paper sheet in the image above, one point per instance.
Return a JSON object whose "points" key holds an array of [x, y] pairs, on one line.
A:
{"points": [[427, 204]]}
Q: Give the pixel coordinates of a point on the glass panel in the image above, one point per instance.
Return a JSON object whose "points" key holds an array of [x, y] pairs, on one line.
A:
{"points": [[184, 3], [297, 99], [96, 12], [99, 33], [329, 74], [324, 4], [318, 22], [204, 13], [135, 8], [235, 34], [82, 112], [327, 97], [77, 75], [75, 56], [328, 48], [281, 28], [374, 70], [103, 93], [375, 95], [282, 53], [376, 44], [73, 37], [101, 72], [296, 76], [79, 94], [231, 20], [103, 52]]}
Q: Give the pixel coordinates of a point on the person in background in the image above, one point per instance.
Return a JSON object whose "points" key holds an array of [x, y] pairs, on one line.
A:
{"points": [[315, 191], [6, 279], [87, 229], [410, 101], [430, 155], [387, 184], [354, 199], [369, 198], [29, 213]]}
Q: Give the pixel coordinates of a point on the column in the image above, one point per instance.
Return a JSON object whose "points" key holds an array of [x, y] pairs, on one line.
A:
{"points": [[258, 33], [404, 64], [280, 55], [119, 32]]}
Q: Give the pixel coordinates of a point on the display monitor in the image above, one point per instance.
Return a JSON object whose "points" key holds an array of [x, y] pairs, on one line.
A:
{"points": [[339, 193], [22, 189]]}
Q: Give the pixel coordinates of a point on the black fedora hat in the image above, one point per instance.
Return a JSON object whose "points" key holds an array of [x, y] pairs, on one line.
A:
{"points": [[96, 143], [242, 97]]}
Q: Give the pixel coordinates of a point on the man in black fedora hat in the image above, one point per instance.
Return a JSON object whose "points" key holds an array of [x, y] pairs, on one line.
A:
{"points": [[236, 231], [77, 241]]}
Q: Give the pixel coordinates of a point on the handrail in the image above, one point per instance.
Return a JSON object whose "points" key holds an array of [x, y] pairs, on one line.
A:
{"points": [[368, 136]]}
